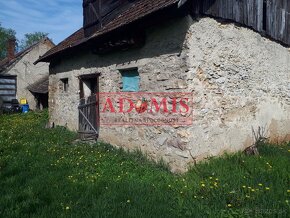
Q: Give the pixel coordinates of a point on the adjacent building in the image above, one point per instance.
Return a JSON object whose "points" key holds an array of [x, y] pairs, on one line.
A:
{"points": [[20, 78]]}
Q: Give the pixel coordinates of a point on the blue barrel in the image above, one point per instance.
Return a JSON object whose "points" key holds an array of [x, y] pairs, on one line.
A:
{"points": [[25, 108]]}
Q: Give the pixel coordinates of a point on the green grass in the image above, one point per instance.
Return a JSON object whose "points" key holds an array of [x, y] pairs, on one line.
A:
{"points": [[44, 174]]}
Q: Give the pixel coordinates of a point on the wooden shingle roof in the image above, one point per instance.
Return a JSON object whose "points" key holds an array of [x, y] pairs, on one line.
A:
{"points": [[41, 86], [136, 11]]}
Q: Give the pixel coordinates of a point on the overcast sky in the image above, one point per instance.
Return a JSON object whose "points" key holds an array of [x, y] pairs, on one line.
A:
{"points": [[59, 18]]}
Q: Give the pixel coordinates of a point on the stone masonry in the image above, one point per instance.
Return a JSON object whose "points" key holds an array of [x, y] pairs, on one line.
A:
{"points": [[239, 81]]}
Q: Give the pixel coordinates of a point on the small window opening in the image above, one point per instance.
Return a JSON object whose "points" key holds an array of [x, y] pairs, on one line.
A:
{"points": [[65, 84], [130, 80]]}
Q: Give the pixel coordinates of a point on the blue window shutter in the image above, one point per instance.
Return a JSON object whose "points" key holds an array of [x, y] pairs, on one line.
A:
{"points": [[131, 81]]}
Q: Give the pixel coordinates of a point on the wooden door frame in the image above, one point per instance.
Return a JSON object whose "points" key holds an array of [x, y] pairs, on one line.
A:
{"points": [[86, 101]]}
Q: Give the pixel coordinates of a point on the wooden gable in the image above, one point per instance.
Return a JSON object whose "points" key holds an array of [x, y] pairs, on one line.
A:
{"points": [[99, 12]]}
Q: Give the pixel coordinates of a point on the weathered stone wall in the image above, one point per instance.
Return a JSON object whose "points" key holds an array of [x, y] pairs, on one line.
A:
{"points": [[238, 79], [27, 73]]}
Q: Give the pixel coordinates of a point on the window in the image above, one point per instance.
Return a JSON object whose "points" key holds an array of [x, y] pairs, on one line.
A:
{"points": [[64, 84], [131, 80]]}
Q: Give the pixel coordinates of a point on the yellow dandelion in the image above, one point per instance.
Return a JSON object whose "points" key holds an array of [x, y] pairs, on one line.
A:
{"points": [[202, 185], [229, 205], [253, 190], [67, 207], [288, 191], [217, 179], [244, 186], [249, 187], [210, 177], [128, 201], [169, 186], [267, 188], [181, 192], [287, 201], [260, 184]]}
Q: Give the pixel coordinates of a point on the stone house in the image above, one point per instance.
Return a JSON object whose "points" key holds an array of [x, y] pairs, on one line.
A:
{"points": [[237, 74], [20, 78]]}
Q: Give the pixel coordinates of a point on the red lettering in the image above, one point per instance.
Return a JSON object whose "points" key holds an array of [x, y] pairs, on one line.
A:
{"points": [[184, 105], [174, 105], [109, 104], [158, 107], [121, 105]]}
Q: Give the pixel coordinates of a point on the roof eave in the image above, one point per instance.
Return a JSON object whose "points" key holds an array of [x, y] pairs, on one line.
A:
{"points": [[52, 56]]}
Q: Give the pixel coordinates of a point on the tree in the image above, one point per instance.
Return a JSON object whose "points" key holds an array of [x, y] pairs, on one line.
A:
{"points": [[31, 38], [5, 34]]}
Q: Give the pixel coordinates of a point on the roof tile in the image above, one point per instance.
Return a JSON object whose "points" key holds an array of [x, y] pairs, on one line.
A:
{"points": [[138, 10]]}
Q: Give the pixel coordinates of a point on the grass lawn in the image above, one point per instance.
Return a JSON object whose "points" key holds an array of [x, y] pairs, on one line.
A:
{"points": [[44, 174]]}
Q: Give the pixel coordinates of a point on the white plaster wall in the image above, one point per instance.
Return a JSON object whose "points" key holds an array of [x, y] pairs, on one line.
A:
{"points": [[27, 73]]}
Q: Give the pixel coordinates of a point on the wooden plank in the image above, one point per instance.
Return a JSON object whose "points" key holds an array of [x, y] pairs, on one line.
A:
{"points": [[206, 7], [213, 5], [9, 89], [251, 13], [250, 8], [269, 18], [245, 12], [86, 105], [275, 19], [7, 95], [278, 18], [283, 30], [224, 9], [287, 31], [287, 21], [86, 132], [265, 16], [221, 8], [259, 16], [196, 7], [88, 117], [237, 12], [230, 9]]}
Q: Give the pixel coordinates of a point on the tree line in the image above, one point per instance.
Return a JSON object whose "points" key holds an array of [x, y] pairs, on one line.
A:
{"points": [[28, 40]]}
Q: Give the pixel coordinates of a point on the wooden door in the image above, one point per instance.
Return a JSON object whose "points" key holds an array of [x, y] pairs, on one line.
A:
{"points": [[89, 118]]}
